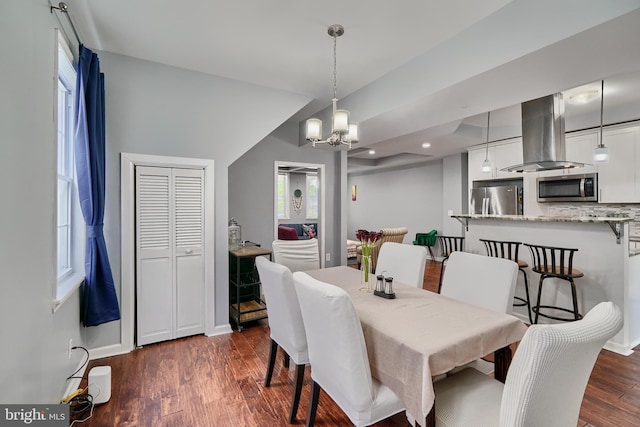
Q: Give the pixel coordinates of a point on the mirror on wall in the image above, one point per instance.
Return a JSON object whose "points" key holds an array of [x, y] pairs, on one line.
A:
{"points": [[299, 200]]}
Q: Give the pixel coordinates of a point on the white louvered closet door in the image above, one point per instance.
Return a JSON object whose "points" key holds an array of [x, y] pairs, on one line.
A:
{"points": [[169, 253], [189, 257]]}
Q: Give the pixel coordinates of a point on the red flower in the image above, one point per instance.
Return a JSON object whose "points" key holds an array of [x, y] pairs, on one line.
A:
{"points": [[368, 237]]}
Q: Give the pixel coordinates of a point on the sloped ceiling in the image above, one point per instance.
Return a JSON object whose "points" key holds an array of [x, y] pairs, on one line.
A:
{"points": [[410, 72]]}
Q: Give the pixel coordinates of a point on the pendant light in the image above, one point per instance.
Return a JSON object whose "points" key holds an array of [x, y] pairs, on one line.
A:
{"points": [[601, 153], [343, 132], [486, 165]]}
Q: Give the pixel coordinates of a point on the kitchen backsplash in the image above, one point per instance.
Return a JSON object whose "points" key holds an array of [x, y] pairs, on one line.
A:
{"points": [[599, 210]]}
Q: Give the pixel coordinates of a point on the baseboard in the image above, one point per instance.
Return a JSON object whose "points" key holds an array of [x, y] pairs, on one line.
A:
{"points": [[619, 348], [108, 351], [221, 330], [117, 349]]}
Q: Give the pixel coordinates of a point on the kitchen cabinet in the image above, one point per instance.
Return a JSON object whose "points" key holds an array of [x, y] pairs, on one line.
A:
{"points": [[501, 155], [579, 148], [475, 158], [619, 178]]}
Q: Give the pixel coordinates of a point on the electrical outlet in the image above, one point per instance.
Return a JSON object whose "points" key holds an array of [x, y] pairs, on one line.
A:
{"points": [[327, 256], [70, 347]]}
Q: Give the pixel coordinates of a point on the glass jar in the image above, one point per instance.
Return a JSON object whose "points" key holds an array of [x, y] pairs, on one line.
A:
{"points": [[235, 235]]}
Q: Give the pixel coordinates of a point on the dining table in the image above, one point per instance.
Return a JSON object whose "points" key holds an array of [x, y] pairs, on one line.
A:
{"points": [[420, 334]]}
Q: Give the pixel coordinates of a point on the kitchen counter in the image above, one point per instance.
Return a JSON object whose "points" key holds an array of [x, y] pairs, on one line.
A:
{"points": [[587, 219], [616, 223], [605, 255]]}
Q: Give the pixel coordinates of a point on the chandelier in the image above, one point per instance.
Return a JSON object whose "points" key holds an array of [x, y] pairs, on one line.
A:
{"points": [[342, 132]]}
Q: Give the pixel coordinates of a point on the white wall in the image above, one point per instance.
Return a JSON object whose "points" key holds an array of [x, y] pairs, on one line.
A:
{"points": [[157, 109], [150, 109], [33, 357], [251, 192], [454, 193], [409, 198]]}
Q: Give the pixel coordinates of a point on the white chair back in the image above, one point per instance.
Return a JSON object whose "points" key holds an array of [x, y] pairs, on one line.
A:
{"points": [[297, 255], [337, 351], [545, 383], [405, 263], [338, 354], [285, 319], [550, 370], [480, 280]]}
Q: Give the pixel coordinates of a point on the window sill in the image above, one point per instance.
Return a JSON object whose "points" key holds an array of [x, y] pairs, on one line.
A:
{"points": [[66, 288]]}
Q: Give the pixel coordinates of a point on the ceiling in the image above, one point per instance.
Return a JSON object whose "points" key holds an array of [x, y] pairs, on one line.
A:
{"points": [[410, 72]]}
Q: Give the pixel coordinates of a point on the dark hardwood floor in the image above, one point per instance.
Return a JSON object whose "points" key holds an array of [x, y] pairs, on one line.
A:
{"points": [[218, 381]]}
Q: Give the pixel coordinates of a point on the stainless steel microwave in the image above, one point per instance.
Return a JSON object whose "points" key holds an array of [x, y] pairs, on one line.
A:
{"points": [[568, 188]]}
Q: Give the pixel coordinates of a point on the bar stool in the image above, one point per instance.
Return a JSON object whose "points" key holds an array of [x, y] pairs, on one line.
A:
{"points": [[509, 250], [549, 261], [448, 244]]}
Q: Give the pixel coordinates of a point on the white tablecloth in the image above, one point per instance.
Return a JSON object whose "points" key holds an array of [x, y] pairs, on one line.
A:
{"points": [[421, 334]]}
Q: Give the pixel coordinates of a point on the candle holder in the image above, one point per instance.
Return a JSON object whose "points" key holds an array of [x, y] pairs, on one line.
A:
{"points": [[366, 276]]}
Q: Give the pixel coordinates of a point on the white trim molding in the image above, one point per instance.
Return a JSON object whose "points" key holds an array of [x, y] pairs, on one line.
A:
{"points": [[128, 162], [321, 202]]}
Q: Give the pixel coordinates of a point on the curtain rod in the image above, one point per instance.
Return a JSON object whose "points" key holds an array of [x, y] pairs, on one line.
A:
{"points": [[62, 7]]}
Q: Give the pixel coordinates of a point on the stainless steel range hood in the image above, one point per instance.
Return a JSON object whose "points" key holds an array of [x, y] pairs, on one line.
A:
{"points": [[543, 136]]}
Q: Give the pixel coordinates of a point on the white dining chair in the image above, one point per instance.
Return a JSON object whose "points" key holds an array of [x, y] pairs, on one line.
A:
{"points": [[297, 255], [285, 324], [338, 355], [484, 281], [480, 280], [405, 263], [546, 381]]}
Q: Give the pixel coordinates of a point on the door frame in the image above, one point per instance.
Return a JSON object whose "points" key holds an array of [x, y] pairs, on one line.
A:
{"points": [[128, 162], [321, 201]]}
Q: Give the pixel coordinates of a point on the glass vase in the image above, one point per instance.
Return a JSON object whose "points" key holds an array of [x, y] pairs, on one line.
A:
{"points": [[366, 276]]}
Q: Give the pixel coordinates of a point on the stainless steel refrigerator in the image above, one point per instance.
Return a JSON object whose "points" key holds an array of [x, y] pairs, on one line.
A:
{"points": [[502, 200]]}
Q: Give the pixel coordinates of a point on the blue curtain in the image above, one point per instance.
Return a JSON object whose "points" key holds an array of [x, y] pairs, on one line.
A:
{"points": [[100, 302]]}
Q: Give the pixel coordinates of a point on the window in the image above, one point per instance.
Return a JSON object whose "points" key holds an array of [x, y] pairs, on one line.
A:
{"points": [[69, 248], [312, 196], [283, 198]]}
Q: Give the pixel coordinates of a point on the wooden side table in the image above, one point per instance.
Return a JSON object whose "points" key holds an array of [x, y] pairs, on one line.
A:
{"points": [[245, 296]]}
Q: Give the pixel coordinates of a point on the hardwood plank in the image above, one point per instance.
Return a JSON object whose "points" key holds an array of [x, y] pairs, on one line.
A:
{"points": [[150, 413], [218, 381], [632, 397]]}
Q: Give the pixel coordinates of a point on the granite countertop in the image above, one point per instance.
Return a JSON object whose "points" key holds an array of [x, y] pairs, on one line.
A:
{"points": [[586, 219]]}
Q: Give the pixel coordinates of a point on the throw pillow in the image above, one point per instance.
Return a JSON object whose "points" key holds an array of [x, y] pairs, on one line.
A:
{"points": [[287, 233], [309, 230]]}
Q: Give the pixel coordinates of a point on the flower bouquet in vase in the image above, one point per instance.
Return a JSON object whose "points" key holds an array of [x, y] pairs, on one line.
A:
{"points": [[367, 240]]}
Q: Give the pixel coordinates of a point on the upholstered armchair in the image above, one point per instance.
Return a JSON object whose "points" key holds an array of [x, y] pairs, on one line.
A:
{"points": [[388, 235]]}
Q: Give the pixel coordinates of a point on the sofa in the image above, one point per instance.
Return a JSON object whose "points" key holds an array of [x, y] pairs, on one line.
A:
{"points": [[297, 231]]}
